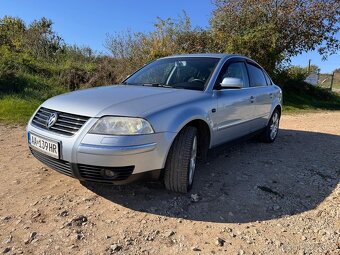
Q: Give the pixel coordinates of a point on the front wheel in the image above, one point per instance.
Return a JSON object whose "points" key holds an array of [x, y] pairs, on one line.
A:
{"points": [[272, 129], [181, 162]]}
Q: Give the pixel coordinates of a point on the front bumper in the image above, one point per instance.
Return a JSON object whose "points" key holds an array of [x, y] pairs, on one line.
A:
{"points": [[86, 156]]}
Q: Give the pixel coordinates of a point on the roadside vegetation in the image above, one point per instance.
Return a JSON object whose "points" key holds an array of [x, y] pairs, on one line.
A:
{"points": [[36, 63]]}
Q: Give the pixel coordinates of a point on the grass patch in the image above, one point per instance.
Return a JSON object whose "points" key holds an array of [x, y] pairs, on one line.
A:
{"points": [[16, 110], [299, 96], [22, 93]]}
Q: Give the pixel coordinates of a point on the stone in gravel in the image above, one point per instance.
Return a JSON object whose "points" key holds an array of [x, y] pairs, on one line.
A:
{"points": [[195, 248], [195, 197], [129, 241], [229, 230], [219, 242], [278, 243], [31, 237], [303, 238], [115, 247], [35, 203], [6, 250], [301, 252], [36, 215], [168, 233], [7, 241], [78, 221], [79, 236], [240, 252], [63, 213], [6, 218]]}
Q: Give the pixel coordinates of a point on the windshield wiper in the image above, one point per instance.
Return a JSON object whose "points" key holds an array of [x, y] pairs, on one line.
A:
{"points": [[148, 84], [157, 85]]}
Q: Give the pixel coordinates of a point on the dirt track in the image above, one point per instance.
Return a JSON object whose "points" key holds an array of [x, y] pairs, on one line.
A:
{"points": [[280, 198]]}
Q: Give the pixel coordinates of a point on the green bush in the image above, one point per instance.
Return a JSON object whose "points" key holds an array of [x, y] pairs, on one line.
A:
{"points": [[35, 64], [299, 95]]}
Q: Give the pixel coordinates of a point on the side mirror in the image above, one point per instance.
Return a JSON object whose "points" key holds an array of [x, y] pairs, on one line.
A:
{"points": [[232, 83]]}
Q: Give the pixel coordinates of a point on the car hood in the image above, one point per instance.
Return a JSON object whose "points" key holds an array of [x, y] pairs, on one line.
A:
{"points": [[120, 100]]}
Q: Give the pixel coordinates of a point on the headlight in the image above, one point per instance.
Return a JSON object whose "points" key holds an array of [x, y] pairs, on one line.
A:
{"points": [[121, 126]]}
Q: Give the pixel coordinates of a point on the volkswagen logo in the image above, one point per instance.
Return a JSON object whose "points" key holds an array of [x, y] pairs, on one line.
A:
{"points": [[51, 120]]}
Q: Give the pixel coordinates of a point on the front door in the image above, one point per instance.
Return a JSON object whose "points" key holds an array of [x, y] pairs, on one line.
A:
{"points": [[235, 108]]}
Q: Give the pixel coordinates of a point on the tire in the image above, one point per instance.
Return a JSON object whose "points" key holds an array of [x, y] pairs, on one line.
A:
{"points": [[271, 130], [181, 161]]}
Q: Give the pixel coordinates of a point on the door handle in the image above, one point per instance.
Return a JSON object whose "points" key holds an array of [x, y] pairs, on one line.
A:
{"points": [[252, 99], [271, 95]]}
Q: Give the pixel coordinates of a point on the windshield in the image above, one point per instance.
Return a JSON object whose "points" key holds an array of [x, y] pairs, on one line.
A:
{"points": [[182, 73]]}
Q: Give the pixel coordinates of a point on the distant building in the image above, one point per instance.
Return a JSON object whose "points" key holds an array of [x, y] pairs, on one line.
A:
{"points": [[312, 79]]}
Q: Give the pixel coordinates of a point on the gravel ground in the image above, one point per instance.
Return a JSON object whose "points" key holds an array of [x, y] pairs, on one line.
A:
{"points": [[250, 198]]}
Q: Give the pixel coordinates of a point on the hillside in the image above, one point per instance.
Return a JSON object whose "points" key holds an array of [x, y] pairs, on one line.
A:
{"points": [[36, 64]]}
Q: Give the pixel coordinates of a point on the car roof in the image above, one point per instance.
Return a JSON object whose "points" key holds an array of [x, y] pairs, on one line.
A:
{"points": [[207, 55], [213, 55]]}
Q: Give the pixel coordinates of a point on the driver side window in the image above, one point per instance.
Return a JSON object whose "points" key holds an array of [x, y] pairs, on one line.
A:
{"points": [[236, 70]]}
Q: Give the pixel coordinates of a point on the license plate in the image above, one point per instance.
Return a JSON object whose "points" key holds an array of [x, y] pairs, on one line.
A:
{"points": [[46, 146]]}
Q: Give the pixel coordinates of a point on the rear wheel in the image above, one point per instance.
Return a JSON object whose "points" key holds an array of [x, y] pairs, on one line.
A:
{"points": [[181, 162], [272, 129]]}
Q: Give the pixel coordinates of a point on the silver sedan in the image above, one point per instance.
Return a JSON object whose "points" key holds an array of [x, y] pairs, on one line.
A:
{"points": [[159, 121]]}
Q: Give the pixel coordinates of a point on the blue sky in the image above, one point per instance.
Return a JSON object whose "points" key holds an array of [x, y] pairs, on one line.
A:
{"points": [[86, 22]]}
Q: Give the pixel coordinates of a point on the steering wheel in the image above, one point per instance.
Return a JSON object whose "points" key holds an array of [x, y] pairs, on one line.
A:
{"points": [[197, 80]]}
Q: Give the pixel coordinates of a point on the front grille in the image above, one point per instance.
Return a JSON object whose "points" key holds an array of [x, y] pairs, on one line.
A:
{"points": [[66, 124], [59, 165], [95, 173]]}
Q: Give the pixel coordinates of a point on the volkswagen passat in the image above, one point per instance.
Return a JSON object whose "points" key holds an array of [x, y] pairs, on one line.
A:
{"points": [[160, 120]]}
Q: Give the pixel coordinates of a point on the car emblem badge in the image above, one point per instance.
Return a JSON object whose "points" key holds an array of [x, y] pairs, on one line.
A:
{"points": [[52, 120]]}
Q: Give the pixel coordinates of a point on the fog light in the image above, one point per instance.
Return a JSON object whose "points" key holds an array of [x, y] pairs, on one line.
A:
{"points": [[109, 173]]}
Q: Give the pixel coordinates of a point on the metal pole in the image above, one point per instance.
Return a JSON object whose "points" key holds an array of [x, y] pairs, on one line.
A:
{"points": [[332, 81], [309, 66]]}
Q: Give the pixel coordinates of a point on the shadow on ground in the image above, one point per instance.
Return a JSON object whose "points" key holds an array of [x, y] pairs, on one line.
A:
{"points": [[247, 182]]}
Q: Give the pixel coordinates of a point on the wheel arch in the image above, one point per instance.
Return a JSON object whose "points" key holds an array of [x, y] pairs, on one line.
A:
{"points": [[279, 108], [275, 106], [204, 137]]}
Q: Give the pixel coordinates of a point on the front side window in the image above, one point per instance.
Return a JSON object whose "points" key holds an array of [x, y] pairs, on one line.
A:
{"points": [[182, 73], [235, 70], [256, 75]]}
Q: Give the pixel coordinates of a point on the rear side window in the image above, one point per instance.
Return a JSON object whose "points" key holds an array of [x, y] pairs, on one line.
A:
{"points": [[257, 78], [269, 81]]}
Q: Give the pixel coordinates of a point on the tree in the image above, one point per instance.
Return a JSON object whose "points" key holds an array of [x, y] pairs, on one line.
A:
{"points": [[271, 31], [42, 40], [12, 32], [169, 37], [38, 38], [313, 69]]}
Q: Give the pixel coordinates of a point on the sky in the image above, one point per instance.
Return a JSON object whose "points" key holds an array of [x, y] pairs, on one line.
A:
{"points": [[87, 22]]}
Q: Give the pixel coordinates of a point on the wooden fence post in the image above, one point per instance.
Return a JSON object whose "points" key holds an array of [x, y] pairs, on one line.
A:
{"points": [[332, 80]]}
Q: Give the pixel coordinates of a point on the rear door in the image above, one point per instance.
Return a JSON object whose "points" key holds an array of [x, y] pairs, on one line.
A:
{"points": [[235, 105], [262, 93]]}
